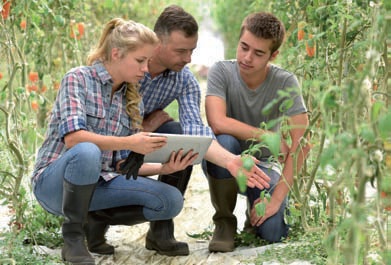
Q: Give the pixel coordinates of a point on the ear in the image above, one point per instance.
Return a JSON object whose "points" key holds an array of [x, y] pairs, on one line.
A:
{"points": [[274, 55], [158, 47], [115, 54]]}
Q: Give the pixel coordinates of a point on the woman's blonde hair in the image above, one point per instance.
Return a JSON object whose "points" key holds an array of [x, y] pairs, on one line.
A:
{"points": [[126, 36]]}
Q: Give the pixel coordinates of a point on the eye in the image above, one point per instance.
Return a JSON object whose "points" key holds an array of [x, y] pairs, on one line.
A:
{"points": [[244, 47], [140, 60]]}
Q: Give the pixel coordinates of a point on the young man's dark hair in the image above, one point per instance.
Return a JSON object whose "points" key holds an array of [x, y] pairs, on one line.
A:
{"points": [[265, 26]]}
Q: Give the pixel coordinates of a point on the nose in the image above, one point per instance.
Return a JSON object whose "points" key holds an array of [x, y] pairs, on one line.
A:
{"points": [[187, 57], [248, 56], [144, 67]]}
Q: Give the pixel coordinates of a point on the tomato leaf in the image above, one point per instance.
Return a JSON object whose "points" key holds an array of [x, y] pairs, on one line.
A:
{"points": [[376, 108], [260, 209], [262, 195], [273, 142], [385, 125], [241, 179]]}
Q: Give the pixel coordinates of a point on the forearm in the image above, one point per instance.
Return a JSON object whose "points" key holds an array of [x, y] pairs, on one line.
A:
{"points": [[285, 183], [150, 169], [218, 155], [102, 141], [238, 129], [292, 166]]}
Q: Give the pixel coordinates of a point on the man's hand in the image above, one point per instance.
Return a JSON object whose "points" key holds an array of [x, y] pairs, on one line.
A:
{"points": [[271, 209], [255, 176], [155, 119]]}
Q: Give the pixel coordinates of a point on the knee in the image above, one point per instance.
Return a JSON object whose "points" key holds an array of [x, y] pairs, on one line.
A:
{"points": [[176, 203], [230, 143], [173, 202], [214, 171], [172, 127], [88, 153], [273, 229], [85, 163]]}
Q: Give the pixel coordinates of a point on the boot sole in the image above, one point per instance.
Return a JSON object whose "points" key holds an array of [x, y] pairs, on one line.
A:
{"points": [[79, 263], [220, 248], [109, 250], [181, 252], [102, 252]]}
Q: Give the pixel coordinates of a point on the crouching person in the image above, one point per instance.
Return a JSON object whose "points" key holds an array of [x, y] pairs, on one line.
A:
{"points": [[94, 125], [237, 93]]}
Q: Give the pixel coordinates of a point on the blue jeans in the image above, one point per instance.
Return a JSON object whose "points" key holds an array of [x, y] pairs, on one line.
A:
{"points": [[81, 165], [274, 228], [172, 127]]}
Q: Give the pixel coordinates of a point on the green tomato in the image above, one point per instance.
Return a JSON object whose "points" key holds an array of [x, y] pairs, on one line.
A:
{"points": [[20, 90]]}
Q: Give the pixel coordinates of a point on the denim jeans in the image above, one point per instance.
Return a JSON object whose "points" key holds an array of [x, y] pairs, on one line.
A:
{"points": [[172, 127], [274, 227], [80, 165]]}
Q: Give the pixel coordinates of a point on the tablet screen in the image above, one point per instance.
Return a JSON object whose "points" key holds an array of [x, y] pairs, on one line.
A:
{"points": [[175, 142]]}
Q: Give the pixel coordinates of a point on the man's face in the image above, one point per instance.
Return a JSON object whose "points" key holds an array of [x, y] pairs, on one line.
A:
{"points": [[253, 54], [175, 51]]}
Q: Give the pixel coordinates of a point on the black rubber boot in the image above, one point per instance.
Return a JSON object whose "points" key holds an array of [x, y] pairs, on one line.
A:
{"points": [[223, 194], [76, 201], [99, 221], [160, 236]]}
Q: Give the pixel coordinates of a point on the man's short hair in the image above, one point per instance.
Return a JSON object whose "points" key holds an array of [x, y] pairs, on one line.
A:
{"points": [[265, 26], [175, 18]]}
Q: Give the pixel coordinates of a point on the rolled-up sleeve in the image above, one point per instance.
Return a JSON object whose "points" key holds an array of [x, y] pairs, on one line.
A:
{"points": [[189, 109], [72, 104]]}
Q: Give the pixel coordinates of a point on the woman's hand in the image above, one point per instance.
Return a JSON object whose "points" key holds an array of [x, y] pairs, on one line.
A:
{"points": [[178, 161], [144, 143]]}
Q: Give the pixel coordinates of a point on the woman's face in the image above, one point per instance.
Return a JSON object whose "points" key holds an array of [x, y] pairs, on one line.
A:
{"points": [[132, 67]]}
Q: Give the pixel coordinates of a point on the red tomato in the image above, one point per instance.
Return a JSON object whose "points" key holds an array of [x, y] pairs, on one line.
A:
{"points": [[6, 9]]}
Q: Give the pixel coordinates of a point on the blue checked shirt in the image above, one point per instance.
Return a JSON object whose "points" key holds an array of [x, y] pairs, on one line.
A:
{"points": [[84, 103], [182, 86]]}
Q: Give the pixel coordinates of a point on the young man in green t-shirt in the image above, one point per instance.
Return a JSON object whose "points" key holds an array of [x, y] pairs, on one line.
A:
{"points": [[237, 93]]}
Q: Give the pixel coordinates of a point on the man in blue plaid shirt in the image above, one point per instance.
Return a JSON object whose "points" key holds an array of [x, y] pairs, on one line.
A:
{"points": [[170, 79]]}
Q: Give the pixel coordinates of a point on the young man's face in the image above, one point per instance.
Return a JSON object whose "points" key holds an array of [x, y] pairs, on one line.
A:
{"points": [[253, 54], [176, 50]]}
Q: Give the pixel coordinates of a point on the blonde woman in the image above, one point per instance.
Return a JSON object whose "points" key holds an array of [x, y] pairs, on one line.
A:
{"points": [[94, 125]]}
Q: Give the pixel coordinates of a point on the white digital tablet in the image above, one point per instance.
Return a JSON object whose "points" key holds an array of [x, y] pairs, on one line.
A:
{"points": [[175, 142]]}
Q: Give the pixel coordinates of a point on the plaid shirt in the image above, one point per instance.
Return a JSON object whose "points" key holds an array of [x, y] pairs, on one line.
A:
{"points": [[84, 103], [182, 86]]}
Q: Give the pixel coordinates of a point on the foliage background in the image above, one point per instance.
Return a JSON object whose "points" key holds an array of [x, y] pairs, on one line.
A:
{"points": [[345, 83]]}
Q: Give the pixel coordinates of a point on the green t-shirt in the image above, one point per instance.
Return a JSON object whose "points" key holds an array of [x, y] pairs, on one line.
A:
{"points": [[246, 105]]}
